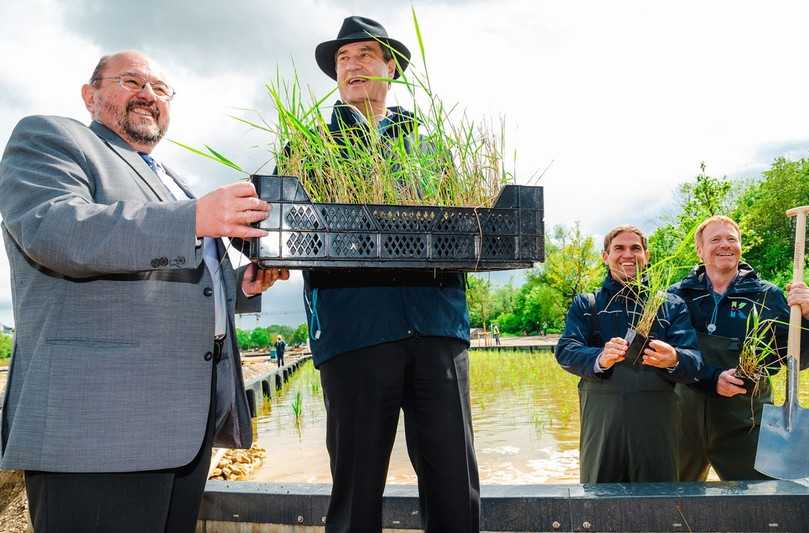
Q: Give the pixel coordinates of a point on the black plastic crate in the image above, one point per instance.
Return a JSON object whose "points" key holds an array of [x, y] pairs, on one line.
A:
{"points": [[306, 235]]}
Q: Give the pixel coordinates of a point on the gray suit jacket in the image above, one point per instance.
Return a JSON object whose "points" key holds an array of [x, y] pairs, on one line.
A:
{"points": [[111, 369]]}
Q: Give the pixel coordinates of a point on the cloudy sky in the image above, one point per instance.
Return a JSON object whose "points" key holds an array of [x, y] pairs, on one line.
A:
{"points": [[624, 98]]}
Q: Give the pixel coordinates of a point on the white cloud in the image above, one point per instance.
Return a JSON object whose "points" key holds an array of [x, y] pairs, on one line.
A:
{"points": [[626, 98]]}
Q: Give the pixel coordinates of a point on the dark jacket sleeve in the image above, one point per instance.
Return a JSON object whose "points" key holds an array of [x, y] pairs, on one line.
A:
{"points": [[681, 335], [572, 351]]}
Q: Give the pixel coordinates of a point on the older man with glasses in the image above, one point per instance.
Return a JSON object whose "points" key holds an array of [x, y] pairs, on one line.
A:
{"points": [[125, 368]]}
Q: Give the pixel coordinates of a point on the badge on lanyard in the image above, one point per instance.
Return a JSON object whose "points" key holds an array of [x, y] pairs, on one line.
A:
{"points": [[711, 328]]}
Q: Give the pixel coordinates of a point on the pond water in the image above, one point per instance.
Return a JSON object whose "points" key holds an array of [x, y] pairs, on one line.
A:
{"points": [[525, 414]]}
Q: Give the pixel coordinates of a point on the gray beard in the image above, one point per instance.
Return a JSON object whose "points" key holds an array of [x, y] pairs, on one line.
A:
{"points": [[148, 134], [142, 133], [145, 134]]}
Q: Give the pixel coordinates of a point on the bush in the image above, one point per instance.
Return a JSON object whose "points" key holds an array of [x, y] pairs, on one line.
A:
{"points": [[6, 346]]}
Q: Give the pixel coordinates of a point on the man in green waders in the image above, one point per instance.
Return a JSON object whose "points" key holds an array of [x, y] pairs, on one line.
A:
{"points": [[627, 410], [718, 419]]}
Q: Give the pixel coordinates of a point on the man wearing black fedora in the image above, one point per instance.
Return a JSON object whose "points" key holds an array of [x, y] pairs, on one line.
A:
{"points": [[386, 342]]}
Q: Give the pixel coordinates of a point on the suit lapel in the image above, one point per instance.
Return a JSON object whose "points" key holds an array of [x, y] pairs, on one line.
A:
{"points": [[131, 158]]}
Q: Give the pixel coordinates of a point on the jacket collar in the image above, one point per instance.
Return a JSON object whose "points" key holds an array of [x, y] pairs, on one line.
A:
{"points": [[398, 121], [746, 281], [131, 158]]}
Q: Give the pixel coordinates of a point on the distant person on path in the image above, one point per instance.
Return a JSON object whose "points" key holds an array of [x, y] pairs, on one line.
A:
{"points": [[496, 334], [280, 347], [384, 342], [627, 411], [719, 423], [125, 368]]}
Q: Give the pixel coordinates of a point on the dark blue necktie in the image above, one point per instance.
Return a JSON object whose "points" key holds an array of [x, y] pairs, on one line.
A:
{"points": [[149, 160]]}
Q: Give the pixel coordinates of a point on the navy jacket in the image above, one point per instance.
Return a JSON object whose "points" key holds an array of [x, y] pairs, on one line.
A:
{"points": [[352, 310], [730, 314], [579, 347]]}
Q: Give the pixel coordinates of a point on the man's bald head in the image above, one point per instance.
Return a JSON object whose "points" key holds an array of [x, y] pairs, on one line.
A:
{"points": [[129, 94]]}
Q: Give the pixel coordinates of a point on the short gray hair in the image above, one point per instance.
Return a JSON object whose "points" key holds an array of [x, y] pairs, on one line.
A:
{"points": [[99, 70]]}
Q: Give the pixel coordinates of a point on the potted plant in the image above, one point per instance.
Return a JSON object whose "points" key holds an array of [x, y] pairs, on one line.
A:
{"points": [[758, 352], [648, 292]]}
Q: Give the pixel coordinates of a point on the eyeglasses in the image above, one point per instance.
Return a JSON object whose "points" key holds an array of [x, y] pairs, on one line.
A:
{"points": [[136, 83]]}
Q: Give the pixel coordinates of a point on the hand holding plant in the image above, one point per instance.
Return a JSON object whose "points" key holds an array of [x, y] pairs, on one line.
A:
{"points": [[660, 355], [758, 353], [728, 385], [613, 352]]}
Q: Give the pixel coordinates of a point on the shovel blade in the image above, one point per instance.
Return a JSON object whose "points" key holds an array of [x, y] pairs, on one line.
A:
{"points": [[783, 453]]}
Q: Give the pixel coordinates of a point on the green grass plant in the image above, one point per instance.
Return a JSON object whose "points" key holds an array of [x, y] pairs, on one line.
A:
{"points": [[759, 350], [297, 405], [447, 159], [649, 288]]}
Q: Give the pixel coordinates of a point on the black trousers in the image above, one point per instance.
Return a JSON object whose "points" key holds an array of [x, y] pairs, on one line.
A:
{"points": [[427, 378], [158, 501]]}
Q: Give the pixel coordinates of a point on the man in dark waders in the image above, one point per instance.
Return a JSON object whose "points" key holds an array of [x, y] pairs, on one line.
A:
{"points": [[719, 421], [627, 411]]}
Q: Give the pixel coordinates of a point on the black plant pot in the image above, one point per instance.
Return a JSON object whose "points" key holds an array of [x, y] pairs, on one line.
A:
{"points": [[637, 343], [752, 386]]}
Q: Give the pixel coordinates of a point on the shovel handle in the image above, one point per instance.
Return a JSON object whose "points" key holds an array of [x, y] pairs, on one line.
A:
{"points": [[794, 339]]}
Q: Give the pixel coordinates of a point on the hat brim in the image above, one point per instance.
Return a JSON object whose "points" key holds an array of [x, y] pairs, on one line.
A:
{"points": [[325, 52]]}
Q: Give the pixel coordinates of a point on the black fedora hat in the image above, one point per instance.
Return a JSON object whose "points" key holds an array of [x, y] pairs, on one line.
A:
{"points": [[356, 29]]}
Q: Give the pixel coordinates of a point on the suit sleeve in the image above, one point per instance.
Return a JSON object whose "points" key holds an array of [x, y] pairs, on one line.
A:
{"points": [[244, 303], [48, 207], [572, 351], [681, 335]]}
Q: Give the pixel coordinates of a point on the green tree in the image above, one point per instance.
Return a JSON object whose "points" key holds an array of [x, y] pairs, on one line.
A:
{"points": [[706, 196], [6, 346], [274, 330], [259, 338], [767, 234], [510, 322], [543, 305], [504, 299], [300, 336], [572, 264], [479, 299], [243, 338]]}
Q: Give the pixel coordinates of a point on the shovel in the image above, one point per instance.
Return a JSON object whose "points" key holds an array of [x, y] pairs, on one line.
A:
{"points": [[783, 440]]}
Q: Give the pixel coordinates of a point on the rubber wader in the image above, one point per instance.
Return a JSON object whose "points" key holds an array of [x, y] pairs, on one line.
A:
{"points": [[627, 433], [715, 430]]}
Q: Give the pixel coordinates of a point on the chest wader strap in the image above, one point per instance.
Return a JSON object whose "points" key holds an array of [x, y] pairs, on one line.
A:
{"points": [[595, 332]]}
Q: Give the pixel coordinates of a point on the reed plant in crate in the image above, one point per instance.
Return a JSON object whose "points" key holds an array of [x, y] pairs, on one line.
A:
{"points": [[443, 157]]}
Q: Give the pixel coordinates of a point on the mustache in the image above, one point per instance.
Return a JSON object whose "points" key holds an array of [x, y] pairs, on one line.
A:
{"points": [[143, 104]]}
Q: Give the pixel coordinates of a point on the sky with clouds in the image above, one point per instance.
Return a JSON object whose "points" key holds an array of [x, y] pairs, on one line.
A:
{"points": [[622, 99]]}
